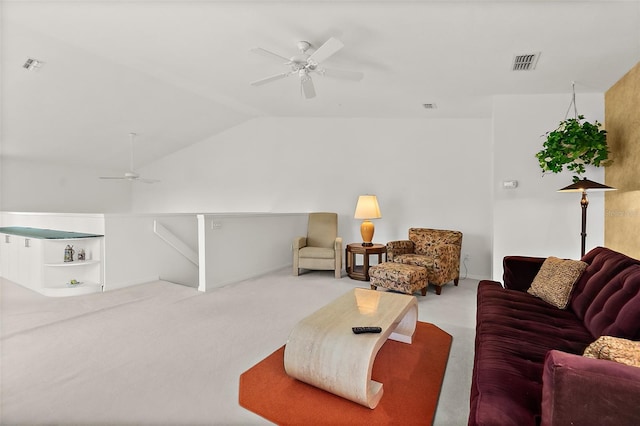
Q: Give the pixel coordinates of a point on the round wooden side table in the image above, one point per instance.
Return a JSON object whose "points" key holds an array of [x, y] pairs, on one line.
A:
{"points": [[361, 272]]}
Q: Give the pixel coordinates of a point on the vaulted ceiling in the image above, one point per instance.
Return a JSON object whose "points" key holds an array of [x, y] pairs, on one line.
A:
{"points": [[178, 72]]}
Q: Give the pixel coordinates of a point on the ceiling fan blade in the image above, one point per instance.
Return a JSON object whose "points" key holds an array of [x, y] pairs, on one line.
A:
{"points": [[329, 48], [130, 178], [268, 54], [130, 175], [307, 87], [342, 74], [270, 79], [145, 180]]}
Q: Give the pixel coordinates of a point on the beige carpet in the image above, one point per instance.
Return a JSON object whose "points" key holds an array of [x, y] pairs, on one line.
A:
{"points": [[160, 353]]}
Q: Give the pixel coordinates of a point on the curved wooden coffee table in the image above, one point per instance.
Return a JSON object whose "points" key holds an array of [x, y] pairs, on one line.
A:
{"points": [[323, 351]]}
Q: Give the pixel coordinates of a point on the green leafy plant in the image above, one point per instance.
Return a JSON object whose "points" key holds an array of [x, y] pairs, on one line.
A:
{"points": [[574, 145]]}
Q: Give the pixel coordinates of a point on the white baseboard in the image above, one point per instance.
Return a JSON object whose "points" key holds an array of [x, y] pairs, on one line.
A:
{"points": [[476, 277], [254, 274], [114, 286]]}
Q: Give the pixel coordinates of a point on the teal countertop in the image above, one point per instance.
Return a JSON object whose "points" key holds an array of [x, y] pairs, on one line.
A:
{"points": [[45, 234]]}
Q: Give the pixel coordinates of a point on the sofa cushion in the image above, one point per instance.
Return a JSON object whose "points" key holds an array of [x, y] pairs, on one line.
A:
{"points": [[555, 279], [604, 264], [426, 241], [615, 308], [317, 253], [519, 271], [615, 349], [415, 259]]}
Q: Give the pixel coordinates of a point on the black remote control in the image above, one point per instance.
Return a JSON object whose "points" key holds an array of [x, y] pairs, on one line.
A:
{"points": [[360, 330]]}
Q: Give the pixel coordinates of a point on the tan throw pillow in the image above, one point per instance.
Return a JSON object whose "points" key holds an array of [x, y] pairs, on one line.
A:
{"points": [[555, 280], [615, 349]]}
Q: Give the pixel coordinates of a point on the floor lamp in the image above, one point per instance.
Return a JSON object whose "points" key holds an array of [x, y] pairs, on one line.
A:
{"points": [[582, 186]]}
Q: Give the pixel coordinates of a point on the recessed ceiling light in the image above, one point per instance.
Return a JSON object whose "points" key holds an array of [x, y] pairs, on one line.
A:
{"points": [[430, 106]]}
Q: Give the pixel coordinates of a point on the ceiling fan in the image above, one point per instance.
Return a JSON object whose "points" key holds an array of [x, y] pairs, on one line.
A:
{"points": [[304, 64], [131, 175]]}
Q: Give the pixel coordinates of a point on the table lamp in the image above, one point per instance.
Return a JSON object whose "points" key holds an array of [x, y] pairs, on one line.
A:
{"points": [[367, 208], [582, 186]]}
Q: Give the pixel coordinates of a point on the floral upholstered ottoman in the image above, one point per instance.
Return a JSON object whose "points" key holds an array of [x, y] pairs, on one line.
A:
{"points": [[400, 277]]}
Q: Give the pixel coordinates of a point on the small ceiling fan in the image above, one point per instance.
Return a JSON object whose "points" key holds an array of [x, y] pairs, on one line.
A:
{"points": [[304, 64], [131, 175]]}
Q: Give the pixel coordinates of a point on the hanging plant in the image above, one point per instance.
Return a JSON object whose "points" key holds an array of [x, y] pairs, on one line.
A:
{"points": [[574, 144]]}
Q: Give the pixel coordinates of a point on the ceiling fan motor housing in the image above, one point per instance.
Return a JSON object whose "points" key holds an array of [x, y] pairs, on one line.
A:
{"points": [[304, 46]]}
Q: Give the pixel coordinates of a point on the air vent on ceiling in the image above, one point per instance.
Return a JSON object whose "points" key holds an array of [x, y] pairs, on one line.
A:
{"points": [[32, 64], [430, 106], [525, 62]]}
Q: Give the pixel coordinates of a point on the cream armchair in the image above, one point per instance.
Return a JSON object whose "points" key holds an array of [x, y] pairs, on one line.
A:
{"points": [[321, 249], [435, 249]]}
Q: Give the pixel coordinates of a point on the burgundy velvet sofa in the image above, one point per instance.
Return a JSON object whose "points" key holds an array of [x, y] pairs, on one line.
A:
{"points": [[528, 366]]}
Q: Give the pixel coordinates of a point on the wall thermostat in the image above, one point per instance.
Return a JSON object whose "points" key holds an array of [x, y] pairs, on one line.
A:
{"points": [[510, 184]]}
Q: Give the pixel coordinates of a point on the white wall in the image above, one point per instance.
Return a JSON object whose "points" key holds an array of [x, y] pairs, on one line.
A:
{"points": [[134, 254], [36, 186], [431, 173], [241, 246], [535, 219]]}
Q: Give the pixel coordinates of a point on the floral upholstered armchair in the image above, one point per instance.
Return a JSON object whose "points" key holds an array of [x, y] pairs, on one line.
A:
{"points": [[437, 250]]}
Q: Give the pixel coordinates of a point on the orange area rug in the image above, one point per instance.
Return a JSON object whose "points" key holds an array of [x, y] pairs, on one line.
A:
{"points": [[411, 375]]}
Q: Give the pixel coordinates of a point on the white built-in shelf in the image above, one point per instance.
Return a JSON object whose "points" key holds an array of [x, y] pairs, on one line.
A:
{"points": [[34, 258], [76, 290], [74, 263]]}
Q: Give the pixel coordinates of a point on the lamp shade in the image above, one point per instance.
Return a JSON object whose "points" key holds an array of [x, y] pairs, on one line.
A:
{"points": [[367, 208], [584, 184]]}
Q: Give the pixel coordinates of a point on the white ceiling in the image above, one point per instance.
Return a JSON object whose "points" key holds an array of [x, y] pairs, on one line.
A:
{"points": [[177, 72]]}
